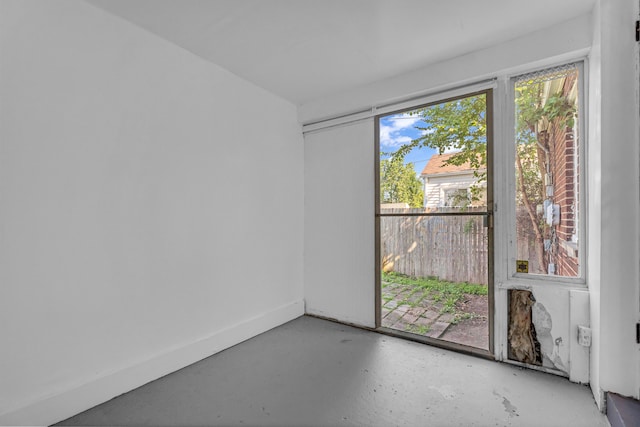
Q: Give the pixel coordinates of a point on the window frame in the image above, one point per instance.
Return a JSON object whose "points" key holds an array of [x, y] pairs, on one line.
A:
{"points": [[509, 190], [450, 194]]}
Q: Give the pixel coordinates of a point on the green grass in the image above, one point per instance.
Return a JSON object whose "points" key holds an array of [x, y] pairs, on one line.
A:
{"points": [[418, 329], [439, 291], [435, 284], [459, 317], [409, 298]]}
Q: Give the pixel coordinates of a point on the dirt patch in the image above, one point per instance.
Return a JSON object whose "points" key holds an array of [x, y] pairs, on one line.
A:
{"points": [[423, 312], [473, 331]]}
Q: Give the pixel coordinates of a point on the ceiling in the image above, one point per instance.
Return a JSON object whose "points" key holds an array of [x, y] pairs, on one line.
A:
{"points": [[304, 50]]}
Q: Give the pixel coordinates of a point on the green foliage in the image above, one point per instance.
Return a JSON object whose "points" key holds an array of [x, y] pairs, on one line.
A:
{"points": [[533, 109], [399, 183], [434, 284], [459, 317], [441, 287], [528, 107], [458, 125], [449, 294], [534, 116], [418, 329], [461, 198], [558, 107], [538, 116], [468, 227], [532, 178]]}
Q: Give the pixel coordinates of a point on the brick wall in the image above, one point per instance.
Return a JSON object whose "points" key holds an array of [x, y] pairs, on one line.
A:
{"points": [[563, 149]]}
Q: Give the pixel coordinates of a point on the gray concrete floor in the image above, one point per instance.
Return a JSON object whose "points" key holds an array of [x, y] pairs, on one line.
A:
{"points": [[312, 372]]}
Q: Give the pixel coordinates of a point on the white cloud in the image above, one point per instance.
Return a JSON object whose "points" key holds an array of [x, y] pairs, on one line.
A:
{"points": [[450, 149], [391, 133]]}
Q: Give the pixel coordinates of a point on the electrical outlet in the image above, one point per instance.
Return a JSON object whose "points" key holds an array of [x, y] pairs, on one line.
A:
{"points": [[584, 336]]}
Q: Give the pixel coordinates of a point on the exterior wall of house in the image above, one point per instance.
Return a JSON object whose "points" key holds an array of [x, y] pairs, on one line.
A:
{"points": [[565, 195], [564, 169], [436, 186]]}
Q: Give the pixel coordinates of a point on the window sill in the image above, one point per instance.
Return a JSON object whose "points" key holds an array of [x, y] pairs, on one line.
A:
{"points": [[528, 281]]}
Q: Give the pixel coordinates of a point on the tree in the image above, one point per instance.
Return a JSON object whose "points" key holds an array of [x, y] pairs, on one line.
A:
{"points": [[460, 125], [399, 183], [536, 117]]}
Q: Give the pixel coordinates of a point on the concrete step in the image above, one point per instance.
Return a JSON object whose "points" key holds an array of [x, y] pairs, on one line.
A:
{"points": [[622, 411]]}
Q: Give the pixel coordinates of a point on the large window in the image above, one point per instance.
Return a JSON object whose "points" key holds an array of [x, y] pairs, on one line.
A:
{"points": [[548, 149]]}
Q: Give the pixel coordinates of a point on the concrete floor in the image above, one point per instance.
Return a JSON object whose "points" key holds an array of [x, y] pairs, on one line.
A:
{"points": [[311, 372]]}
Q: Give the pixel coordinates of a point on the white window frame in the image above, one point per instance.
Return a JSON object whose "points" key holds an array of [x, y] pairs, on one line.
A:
{"points": [[453, 190], [504, 179]]}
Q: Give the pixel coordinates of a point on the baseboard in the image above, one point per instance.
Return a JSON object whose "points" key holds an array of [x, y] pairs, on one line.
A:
{"points": [[62, 405], [361, 323]]}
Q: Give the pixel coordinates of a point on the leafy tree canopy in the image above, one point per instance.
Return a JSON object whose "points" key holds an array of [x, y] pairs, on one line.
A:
{"points": [[458, 125], [399, 183]]}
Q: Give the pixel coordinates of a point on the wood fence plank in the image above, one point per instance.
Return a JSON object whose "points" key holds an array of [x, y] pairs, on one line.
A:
{"points": [[448, 247]]}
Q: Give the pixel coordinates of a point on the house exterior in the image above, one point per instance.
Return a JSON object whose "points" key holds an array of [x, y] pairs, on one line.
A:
{"points": [[564, 169], [448, 185], [558, 216]]}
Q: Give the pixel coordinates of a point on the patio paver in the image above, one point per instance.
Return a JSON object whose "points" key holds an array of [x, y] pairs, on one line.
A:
{"points": [[410, 310], [437, 329]]}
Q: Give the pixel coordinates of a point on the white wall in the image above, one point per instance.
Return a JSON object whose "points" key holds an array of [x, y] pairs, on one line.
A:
{"points": [[151, 209], [613, 174], [618, 357], [435, 187], [338, 160], [594, 203], [339, 263], [553, 42]]}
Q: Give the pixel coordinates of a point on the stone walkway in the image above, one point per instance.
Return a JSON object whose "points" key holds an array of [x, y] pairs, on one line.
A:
{"points": [[410, 309]]}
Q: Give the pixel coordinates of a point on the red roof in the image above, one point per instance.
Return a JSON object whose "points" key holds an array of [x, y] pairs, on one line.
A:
{"points": [[436, 165]]}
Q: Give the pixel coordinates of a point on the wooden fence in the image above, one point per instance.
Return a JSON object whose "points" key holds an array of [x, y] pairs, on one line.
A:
{"points": [[452, 248]]}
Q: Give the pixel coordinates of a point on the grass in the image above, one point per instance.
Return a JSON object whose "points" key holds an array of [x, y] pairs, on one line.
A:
{"points": [[434, 284], [419, 329], [459, 317], [438, 291]]}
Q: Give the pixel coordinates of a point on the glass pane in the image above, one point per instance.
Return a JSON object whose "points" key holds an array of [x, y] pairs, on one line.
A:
{"points": [[435, 157], [434, 277], [435, 268], [547, 172]]}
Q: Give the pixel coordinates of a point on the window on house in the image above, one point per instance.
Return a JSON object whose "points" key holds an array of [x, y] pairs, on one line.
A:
{"points": [[548, 213], [458, 197]]}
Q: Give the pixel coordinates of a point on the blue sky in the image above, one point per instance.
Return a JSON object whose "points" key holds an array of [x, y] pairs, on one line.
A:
{"points": [[399, 129]]}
